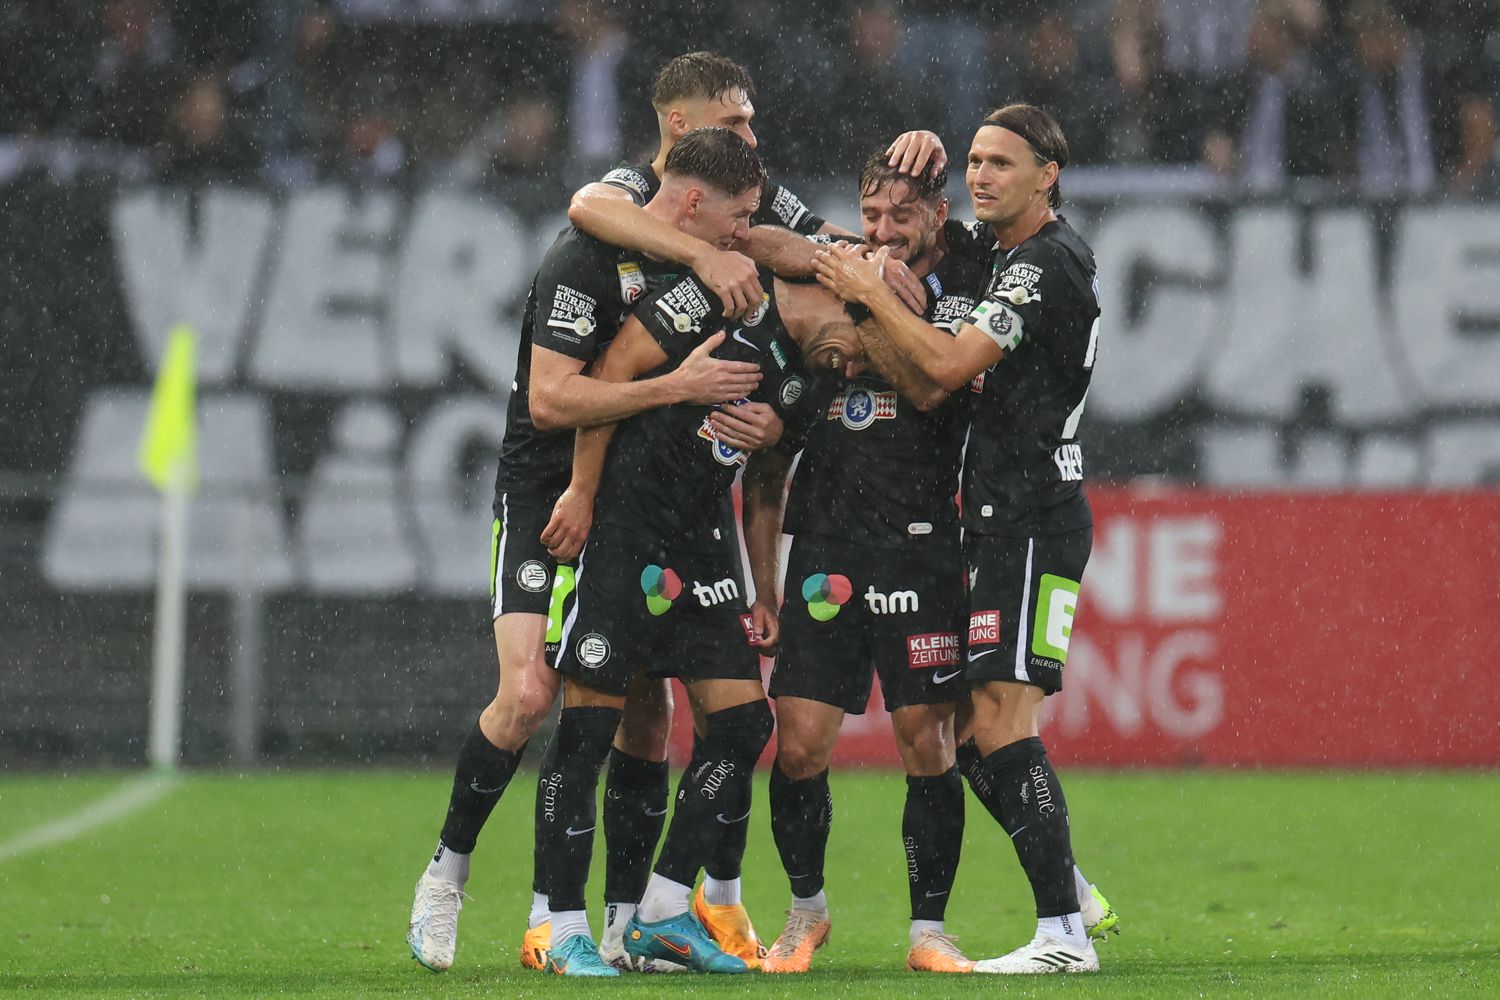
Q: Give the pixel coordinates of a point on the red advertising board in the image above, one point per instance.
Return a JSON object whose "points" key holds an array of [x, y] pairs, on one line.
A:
{"points": [[1298, 630]]}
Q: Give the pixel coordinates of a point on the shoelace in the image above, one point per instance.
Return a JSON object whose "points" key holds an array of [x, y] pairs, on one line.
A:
{"points": [[945, 943], [442, 922], [799, 924]]}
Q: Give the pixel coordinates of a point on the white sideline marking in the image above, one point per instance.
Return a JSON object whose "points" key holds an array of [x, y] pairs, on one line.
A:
{"points": [[135, 794]]}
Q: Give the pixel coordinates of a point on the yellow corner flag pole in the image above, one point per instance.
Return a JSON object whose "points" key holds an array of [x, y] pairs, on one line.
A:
{"points": [[168, 457]]}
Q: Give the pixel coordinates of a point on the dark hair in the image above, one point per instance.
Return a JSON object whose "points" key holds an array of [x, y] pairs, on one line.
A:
{"points": [[1041, 132], [703, 75], [719, 158], [878, 172]]}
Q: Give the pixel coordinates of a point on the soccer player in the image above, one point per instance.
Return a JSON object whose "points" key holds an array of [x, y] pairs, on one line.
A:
{"points": [[693, 90], [874, 581], [577, 300], [1028, 351], [660, 587]]}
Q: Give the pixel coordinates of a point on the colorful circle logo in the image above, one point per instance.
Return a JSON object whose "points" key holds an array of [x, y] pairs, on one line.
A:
{"points": [[661, 587], [825, 594]]}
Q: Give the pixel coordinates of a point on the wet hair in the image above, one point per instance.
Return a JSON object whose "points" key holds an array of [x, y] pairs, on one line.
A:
{"points": [[719, 158], [1041, 132], [877, 173], [700, 75]]}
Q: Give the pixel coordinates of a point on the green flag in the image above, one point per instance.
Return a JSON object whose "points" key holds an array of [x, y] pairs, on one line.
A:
{"points": [[169, 443]]}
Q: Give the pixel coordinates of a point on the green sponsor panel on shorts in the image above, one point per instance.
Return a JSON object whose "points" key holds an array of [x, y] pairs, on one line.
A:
{"points": [[1056, 601], [562, 586], [494, 554]]}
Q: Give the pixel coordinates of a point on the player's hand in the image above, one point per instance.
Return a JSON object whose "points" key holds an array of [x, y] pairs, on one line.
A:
{"points": [[733, 278], [766, 628], [907, 286], [568, 528], [703, 378], [913, 152], [747, 426], [850, 275]]}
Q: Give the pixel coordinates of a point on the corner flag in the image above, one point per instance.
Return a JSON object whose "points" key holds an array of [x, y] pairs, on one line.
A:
{"points": [[169, 443]]}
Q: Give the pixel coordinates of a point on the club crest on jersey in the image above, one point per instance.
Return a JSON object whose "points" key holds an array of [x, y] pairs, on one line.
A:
{"points": [[791, 390], [723, 454], [593, 650], [858, 407], [632, 281], [754, 316]]}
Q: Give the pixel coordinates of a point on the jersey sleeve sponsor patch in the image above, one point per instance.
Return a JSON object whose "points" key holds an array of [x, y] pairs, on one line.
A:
{"points": [[788, 208], [683, 306], [999, 322], [952, 311], [574, 314], [631, 180]]}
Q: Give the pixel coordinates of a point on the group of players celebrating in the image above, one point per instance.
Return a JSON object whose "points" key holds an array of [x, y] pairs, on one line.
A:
{"points": [[697, 323]]}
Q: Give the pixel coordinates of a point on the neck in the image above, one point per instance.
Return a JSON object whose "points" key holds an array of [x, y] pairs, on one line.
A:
{"points": [[663, 147], [1024, 226], [922, 268]]}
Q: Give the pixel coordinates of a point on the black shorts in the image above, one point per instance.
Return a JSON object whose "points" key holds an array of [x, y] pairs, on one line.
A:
{"points": [[524, 578], [850, 608], [640, 605], [1023, 593]]}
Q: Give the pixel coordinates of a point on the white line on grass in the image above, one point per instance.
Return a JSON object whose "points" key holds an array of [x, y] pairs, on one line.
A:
{"points": [[135, 794]]}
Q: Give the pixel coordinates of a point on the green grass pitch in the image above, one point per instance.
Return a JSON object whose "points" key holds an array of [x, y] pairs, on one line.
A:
{"points": [[1254, 884]]}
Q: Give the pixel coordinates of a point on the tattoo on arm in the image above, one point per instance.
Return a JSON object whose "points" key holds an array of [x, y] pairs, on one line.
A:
{"points": [[898, 369]]}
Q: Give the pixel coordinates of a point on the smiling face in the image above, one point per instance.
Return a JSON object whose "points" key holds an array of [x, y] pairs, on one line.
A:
{"points": [[1003, 177], [893, 217]]}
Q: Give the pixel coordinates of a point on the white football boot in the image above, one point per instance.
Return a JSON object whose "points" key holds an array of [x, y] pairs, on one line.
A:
{"points": [[1044, 954], [433, 931]]}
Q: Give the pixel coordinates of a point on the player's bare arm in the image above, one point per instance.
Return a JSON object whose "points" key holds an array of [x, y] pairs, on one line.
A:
{"points": [[609, 214], [765, 500], [562, 396], [632, 352], [948, 361], [897, 369]]}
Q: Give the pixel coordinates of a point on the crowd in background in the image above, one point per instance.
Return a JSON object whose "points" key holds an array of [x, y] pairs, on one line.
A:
{"points": [[1381, 97]]}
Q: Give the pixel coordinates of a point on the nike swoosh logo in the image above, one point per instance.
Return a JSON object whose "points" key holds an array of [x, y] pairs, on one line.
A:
{"points": [[474, 786], [975, 656], [730, 822], [656, 812], [945, 678], [742, 340], [681, 949], [578, 833], [935, 895]]}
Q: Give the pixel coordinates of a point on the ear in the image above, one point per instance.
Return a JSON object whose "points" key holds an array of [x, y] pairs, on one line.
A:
{"points": [[676, 124], [692, 201], [941, 215], [1048, 177]]}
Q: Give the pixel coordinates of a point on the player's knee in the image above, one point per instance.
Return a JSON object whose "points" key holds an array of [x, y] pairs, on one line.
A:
{"points": [[741, 732], [925, 752], [798, 760]]}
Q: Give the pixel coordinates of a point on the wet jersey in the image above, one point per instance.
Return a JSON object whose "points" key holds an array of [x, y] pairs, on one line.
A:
{"points": [[778, 206], [579, 297], [877, 470], [666, 475], [1023, 472]]}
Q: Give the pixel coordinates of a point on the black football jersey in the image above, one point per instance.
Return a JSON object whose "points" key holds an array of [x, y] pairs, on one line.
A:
{"points": [[578, 299], [1023, 472], [877, 470], [778, 206], [666, 474]]}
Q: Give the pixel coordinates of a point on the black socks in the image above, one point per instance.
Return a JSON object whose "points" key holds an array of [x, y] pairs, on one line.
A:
{"points": [[482, 774], [801, 816], [932, 831]]}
